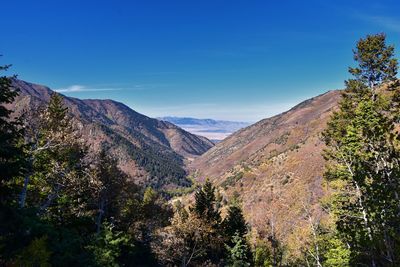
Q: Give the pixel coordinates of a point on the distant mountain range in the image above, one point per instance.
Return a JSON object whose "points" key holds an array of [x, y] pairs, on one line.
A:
{"points": [[151, 151], [215, 130]]}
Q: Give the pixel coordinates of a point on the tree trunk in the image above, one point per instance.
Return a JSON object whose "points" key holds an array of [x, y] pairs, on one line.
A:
{"points": [[365, 218], [100, 215], [22, 195], [50, 200]]}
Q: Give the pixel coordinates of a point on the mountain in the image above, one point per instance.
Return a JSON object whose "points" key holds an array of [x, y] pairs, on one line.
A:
{"points": [[151, 151], [215, 130], [275, 166]]}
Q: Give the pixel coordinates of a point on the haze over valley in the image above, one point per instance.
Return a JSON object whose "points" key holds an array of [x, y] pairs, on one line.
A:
{"points": [[215, 130]]}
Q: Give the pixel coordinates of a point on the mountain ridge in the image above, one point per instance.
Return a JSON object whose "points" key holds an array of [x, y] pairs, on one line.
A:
{"points": [[151, 151], [274, 165]]}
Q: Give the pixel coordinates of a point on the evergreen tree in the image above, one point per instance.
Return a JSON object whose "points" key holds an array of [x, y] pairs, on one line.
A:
{"points": [[376, 64], [234, 223], [239, 252], [110, 183], [108, 245], [58, 184], [67, 195], [235, 229], [11, 137], [205, 204], [363, 152]]}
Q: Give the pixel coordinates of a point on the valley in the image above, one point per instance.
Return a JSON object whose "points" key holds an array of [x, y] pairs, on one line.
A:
{"points": [[214, 130]]}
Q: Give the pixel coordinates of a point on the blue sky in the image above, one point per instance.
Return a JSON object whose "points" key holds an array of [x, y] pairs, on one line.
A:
{"points": [[236, 60]]}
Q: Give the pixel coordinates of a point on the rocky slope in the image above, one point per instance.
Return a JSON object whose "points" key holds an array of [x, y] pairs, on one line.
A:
{"points": [[151, 151], [275, 166]]}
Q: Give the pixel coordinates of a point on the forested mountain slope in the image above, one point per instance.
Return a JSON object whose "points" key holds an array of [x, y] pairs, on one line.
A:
{"points": [[151, 151]]}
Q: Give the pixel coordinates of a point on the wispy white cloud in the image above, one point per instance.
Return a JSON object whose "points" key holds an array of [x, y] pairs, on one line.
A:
{"points": [[373, 12], [388, 23], [76, 88]]}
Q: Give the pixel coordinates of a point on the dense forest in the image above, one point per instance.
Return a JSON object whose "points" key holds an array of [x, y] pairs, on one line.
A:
{"points": [[62, 205]]}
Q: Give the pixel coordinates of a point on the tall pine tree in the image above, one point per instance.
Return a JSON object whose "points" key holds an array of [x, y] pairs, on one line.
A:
{"points": [[205, 205], [363, 152], [234, 223], [11, 136]]}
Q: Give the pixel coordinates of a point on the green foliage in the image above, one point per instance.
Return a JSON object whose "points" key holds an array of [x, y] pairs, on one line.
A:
{"points": [[200, 238], [281, 140], [21, 227], [57, 114], [205, 204], [109, 188], [239, 252], [79, 209], [182, 191], [363, 152], [337, 254], [234, 223], [164, 167], [36, 254], [67, 195], [262, 256], [232, 180], [155, 211], [108, 245], [149, 196], [12, 157], [55, 183], [376, 64]]}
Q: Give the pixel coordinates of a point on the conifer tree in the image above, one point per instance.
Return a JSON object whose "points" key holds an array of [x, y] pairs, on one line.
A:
{"points": [[234, 223], [11, 136], [111, 182], [205, 205], [239, 252], [376, 62], [235, 229], [363, 152], [57, 161]]}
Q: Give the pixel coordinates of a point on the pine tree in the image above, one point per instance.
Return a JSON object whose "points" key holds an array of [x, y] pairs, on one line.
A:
{"points": [[376, 64], [205, 204], [363, 152], [239, 252], [12, 157], [235, 229], [55, 184], [111, 182], [234, 223], [108, 245]]}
